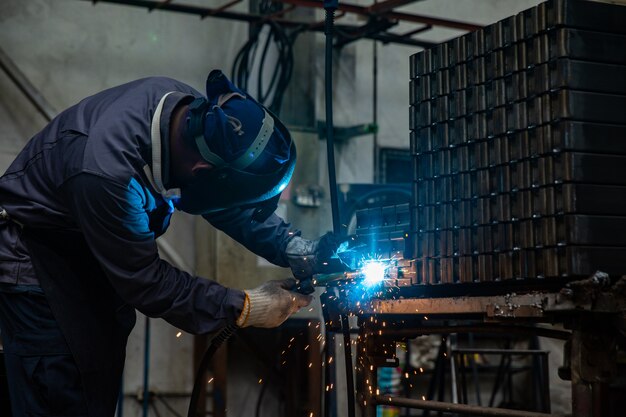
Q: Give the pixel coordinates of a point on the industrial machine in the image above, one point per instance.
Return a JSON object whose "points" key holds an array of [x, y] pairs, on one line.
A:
{"points": [[517, 213]]}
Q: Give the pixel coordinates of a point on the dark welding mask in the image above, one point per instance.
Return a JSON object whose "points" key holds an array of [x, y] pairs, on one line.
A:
{"points": [[252, 153]]}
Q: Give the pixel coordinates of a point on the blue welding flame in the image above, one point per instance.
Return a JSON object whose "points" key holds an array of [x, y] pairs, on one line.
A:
{"points": [[374, 272]]}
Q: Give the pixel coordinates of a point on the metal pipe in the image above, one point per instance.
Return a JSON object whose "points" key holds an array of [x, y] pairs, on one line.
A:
{"points": [[539, 331], [365, 11], [254, 18], [25, 86], [456, 408]]}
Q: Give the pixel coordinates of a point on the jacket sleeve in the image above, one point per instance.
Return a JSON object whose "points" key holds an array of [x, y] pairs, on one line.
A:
{"points": [[267, 239], [115, 224]]}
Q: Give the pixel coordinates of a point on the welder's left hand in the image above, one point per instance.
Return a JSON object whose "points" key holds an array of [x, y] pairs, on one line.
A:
{"points": [[308, 257]]}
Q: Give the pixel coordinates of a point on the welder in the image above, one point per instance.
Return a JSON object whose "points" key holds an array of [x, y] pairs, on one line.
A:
{"points": [[80, 210]]}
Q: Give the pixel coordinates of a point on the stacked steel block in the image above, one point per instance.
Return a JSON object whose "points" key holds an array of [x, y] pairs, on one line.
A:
{"points": [[518, 137]]}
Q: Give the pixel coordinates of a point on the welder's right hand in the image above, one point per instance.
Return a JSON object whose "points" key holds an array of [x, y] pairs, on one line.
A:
{"points": [[271, 303]]}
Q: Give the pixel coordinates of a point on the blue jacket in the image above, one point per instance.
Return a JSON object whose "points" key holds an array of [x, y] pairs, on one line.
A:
{"points": [[86, 172]]}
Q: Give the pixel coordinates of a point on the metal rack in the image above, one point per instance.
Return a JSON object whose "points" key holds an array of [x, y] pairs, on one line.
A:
{"points": [[379, 18]]}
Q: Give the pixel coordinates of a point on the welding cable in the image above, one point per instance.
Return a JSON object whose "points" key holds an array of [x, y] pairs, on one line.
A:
{"points": [[272, 94], [217, 341], [330, 6]]}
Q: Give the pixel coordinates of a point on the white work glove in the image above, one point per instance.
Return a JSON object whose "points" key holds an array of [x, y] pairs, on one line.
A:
{"points": [[271, 304]]}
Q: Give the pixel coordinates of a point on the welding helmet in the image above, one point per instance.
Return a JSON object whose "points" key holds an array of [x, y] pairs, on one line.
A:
{"points": [[252, 153]]}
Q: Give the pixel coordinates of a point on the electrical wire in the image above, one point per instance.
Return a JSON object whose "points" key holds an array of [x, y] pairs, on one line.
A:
{"points": [[270, 95], [217, 341]]}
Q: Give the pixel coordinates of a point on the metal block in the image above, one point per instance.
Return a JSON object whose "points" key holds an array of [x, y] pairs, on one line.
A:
{"points": [[443, 82], [588, 76], [504, 177], [515, 87], [496, 121], [494, 64], [585, 45], [493, 37], [462, 158], [442, 135], [460, 48], [425, 192], [472, 190], [531, 22], [458, 133], [445, 162], [538, 79], [460, 77], [482, 182], [465, 269], [447, 270], [425, 114], [520, 30], [596, 16], [595, 230], [495, 92], [476, 71], [509, 31], [435, 271], [584, 261], [542, 15], [476, 44], [413, 92], [585, 106], [485, 268], [517, 174], [590, 137], [476, 127], [590, 199], [457, 103], [480, 98], [505, 261], [536, 141], [443, 108], [502, 142], [482, 153], [427, 66], [534, 111], [443, 55], [452, 48], [426, 163], [510, 59], [434, 86], [522, 56]]}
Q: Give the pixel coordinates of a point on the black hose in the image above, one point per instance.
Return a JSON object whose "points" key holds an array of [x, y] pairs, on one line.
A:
{"points": [[217, 341], [332, 179]]}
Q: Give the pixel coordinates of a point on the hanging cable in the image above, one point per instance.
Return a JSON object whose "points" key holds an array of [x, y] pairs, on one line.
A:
{"points": [[217, 341], [330, 6], [270, 95]]}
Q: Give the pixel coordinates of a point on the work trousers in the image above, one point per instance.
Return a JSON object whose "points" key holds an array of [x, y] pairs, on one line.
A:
{"points": [[43, 377]]}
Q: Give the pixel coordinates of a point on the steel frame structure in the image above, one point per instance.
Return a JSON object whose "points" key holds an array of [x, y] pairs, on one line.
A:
{"points": [[380, 17], [593, 310]]}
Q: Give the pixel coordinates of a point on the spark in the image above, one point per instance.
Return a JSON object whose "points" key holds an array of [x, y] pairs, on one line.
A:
{"points": [[211, 380], [260, 380], [179, 334]]}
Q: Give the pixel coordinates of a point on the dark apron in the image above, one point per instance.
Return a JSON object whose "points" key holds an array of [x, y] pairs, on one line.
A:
{"points": [[94, 320]]}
